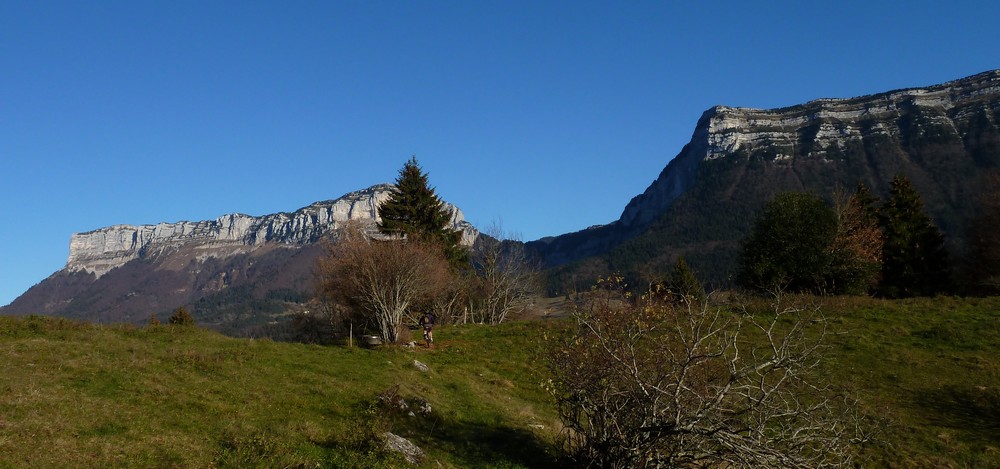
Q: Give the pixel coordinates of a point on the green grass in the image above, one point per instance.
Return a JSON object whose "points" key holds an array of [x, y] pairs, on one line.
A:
{"points": [[930, 369], [76, 395], [79, 395]]}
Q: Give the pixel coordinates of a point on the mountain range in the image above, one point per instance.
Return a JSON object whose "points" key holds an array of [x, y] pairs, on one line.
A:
{"points": [[942, 137], [239, 273]]}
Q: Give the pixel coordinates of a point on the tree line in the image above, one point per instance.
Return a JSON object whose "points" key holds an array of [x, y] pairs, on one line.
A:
{"points": [[859, 245], [669, 376]]}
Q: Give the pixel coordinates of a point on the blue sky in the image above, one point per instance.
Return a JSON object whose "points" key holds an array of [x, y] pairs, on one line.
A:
{"points": [[546, 116]]}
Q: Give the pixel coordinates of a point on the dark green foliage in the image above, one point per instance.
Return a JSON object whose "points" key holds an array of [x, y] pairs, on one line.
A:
{"points": [[983, 262], [414, 210], [788, 247], [915, 261], [685, 284], [181, 317], [245, 311], [867, 201], [708, 220]]}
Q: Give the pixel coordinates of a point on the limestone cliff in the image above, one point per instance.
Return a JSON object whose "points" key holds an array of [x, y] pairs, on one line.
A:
{"points": [[823, 129], [942, 137], [102, 250]]}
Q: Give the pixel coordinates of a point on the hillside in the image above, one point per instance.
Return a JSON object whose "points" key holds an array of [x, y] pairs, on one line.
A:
{"points": [[942, 137], [80, 395], [238, 273], [84, 395]]}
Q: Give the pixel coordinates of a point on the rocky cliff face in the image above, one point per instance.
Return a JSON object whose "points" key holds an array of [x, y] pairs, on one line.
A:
{"points": [[942, 137], [102, 250], [239, 274], [823, 129]]}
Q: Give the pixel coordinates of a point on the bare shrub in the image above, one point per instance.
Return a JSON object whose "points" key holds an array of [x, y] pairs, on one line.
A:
{"points": [[380, 280], [643, 382], [504, 277]]}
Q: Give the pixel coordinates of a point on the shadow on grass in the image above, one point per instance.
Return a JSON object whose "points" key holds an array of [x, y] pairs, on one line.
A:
{"points": [[972, 410], [481, 445], [461, 442]]}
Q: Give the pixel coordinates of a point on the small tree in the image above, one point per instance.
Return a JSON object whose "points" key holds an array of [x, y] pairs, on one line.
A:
{"points": [[414, 210], [648, 383], [381, 280], [181, 317], [788, 247], [684, 284], [856, 253], [504, 276], [915, 261], [153, 321]]}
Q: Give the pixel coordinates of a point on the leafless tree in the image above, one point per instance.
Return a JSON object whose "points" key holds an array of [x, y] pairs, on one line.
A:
{"points": [[380, 280], [648, 383], [505, 276]]}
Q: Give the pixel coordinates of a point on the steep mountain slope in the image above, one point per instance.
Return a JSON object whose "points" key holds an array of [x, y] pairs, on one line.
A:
{"points": [[236, 272], [942, 137]]}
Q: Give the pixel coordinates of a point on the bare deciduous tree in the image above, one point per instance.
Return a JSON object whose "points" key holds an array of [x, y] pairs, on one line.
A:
{"points": [[381, 279], [648, 383], [505, 276]]}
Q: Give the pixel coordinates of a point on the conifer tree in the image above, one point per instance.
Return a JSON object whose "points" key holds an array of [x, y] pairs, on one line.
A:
{"points": [[915, 262], [414, 210], [685, 284]]}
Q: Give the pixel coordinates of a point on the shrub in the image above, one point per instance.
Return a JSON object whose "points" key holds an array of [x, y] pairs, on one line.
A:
{"points": [[650, 383], [181, 317]]}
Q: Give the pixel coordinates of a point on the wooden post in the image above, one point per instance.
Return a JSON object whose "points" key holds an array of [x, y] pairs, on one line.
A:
{"points": [[350, 339]]}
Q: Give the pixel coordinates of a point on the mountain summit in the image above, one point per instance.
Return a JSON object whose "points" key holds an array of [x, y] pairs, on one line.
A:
{"points": [[941, 137]]}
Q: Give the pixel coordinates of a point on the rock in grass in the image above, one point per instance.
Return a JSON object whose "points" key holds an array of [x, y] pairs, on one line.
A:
{"points": [[397, 444], [420, 366]]}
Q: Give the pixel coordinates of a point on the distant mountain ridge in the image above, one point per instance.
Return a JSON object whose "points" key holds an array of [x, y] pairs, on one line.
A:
{"points": [[126, 273], [104, 249], [240, 272], [700, 205]]}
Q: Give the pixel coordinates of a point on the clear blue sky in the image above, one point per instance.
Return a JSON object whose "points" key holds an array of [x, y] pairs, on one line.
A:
{"points": [[547, 116]]}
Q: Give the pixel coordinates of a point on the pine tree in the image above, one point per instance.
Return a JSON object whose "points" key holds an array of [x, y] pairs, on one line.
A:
{"points": [[414, 210], [915, 262], [685, 284]]}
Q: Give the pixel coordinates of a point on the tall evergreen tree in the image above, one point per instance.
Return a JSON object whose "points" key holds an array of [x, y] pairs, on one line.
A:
{"points": [[414, 210], [915, 262]]}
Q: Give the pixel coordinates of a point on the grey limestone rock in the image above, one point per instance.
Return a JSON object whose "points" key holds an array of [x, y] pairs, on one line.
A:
{"points": [[397, 444], [811, 130], [104, 249]]}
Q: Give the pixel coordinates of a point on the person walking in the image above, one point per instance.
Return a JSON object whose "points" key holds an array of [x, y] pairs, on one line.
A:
{"points": [[427, 322]]}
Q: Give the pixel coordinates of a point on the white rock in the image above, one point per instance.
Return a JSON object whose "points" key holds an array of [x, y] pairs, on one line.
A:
{"points": [[104, 249], [395, 443]]}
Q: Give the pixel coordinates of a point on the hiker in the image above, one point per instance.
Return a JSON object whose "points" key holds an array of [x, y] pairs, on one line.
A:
{"points": [[427, 322]]}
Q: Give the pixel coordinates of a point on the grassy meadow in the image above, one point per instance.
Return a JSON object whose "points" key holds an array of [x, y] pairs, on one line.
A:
{"points": [[80, 395]]}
